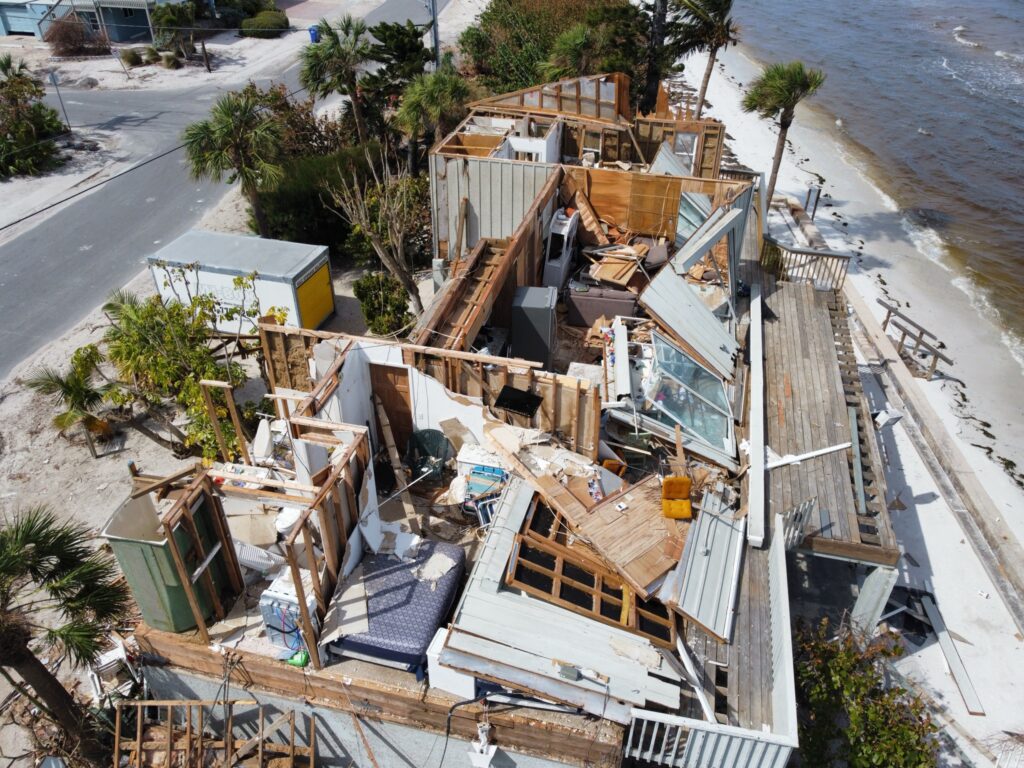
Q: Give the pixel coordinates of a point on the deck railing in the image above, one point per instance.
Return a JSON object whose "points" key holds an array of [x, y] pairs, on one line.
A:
{"points": [[826, 269], [735, 174], [924, 341]]}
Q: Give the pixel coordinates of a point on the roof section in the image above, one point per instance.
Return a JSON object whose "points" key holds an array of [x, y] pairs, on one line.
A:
{"points": [[674, 303], [604, 98], [241, 255], [704, 585]]}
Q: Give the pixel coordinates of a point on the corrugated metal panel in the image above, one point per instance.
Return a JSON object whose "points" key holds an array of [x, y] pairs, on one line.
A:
{"points": [[708, 749], [668, 163], [710, 566], [676, 304], [721, 223], [499, 193]]}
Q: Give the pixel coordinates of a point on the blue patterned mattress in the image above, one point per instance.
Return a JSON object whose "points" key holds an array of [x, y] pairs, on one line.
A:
{"points": [[403, 612]]}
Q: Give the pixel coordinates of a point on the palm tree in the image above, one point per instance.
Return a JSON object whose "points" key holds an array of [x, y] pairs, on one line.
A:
{"points": [[56, 591], [77, 392], [655, 55], [433, 102], [8, 69], [775, 93], [239, 139], [705, 25], [333, 65], [572, 55]]}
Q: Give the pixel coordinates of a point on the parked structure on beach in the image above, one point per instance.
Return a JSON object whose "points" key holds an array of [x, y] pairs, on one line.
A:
{"points": [[442, 549]]}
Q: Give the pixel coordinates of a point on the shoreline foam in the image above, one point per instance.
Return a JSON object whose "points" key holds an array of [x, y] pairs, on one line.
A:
{"points": [[900, 260]]}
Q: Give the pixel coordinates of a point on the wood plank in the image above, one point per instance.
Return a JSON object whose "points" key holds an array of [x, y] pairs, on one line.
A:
{"points": [[956, 664]]}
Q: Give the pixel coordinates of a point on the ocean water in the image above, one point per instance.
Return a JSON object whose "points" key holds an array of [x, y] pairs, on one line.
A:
{"points": [[930, 95]]}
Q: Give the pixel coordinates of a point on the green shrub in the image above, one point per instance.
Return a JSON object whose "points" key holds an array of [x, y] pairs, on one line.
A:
{"points": [[171, 61], [384, 303], [131, 57], [265, 24], [27, 125], [295, 209], [230, 18], [151, 55]]}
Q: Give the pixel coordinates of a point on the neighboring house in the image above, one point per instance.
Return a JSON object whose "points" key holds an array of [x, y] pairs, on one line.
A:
{"points": [[123, 21]]}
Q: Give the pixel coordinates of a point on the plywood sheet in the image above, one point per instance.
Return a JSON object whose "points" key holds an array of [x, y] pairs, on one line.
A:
{"points": [[637, 539]]}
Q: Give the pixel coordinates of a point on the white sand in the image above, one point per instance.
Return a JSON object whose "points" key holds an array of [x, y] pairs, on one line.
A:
{"points": [[983, 386], [987, 640]]}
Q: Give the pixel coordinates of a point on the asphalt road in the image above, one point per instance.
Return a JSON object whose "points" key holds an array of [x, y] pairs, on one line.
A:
{"points": [[61, 269]]}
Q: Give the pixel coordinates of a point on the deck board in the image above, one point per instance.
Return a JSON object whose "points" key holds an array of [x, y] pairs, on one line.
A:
{"points": [[806, 409]]}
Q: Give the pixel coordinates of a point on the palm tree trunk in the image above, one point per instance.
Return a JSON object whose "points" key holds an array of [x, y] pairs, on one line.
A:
{"points": [[137, 424], [56, 697], [780, 147], [258, 214], [414, 152], [357, 110], [655, 50], [704, 85]]}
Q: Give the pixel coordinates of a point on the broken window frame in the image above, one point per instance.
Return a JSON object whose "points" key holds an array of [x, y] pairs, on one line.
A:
{"points": [[658, 370], [552, 543]]}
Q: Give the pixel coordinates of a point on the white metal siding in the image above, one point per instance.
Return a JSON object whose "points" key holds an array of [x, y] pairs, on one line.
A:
{"points": [[705, 749], [499, 192]]}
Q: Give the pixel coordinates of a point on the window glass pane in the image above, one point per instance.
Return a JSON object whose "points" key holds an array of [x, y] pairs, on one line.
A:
{"points": [[685, 143], [684, 369], [691, 213], [675, 403]]}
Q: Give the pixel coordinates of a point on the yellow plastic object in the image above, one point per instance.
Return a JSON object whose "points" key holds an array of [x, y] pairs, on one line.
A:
{"points": [[617, 467], [677, 509], [676, 487], [315, 299]]}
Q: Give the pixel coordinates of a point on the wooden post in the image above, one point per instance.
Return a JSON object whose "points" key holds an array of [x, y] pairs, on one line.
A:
{"points": [[139, 717], [236, 422], [211, 411], [186, 582], [170, 734]]}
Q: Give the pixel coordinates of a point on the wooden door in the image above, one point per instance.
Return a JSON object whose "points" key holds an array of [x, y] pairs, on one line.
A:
{"points": [[391, 385]]}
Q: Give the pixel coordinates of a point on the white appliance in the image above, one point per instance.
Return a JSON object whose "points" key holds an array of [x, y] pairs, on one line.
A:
{"points": [[279, 606], [559, 255]]}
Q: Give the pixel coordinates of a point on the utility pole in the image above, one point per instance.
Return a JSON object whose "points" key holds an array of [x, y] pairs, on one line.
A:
{"points": [[432, 7], [53, 82]]}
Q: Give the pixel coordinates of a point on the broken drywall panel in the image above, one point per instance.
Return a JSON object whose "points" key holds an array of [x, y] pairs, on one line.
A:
{"points": [[432, 405], [310, 458]]}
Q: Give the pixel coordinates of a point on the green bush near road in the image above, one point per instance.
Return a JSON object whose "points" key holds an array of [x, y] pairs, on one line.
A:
{"points": [[171, 61], [265, 24], [131, 57], [27, 125]]}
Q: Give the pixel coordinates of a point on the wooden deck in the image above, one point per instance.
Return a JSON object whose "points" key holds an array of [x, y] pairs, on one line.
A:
{"points": [[737, 675], [812, 388]]}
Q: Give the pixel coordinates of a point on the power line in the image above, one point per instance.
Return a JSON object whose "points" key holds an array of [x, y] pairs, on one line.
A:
{"points": [[81, 192]]}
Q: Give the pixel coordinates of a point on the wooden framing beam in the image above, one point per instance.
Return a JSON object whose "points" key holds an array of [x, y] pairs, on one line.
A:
{"points": [[400, 700]]}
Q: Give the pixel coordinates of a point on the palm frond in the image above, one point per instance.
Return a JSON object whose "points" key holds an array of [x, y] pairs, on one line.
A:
{"points": [[780, 87], [41, 554], [82, 640]]}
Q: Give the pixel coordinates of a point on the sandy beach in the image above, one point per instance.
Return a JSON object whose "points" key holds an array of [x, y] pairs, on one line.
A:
{"points": [[978, 397]]}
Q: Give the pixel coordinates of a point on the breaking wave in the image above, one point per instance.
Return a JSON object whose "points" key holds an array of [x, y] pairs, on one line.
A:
{"points": [[983, 306], [1016, 57], [958, 36]]}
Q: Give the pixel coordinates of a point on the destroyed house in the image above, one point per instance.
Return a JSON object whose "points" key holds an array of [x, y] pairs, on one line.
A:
{"points": [[556, 526]]}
